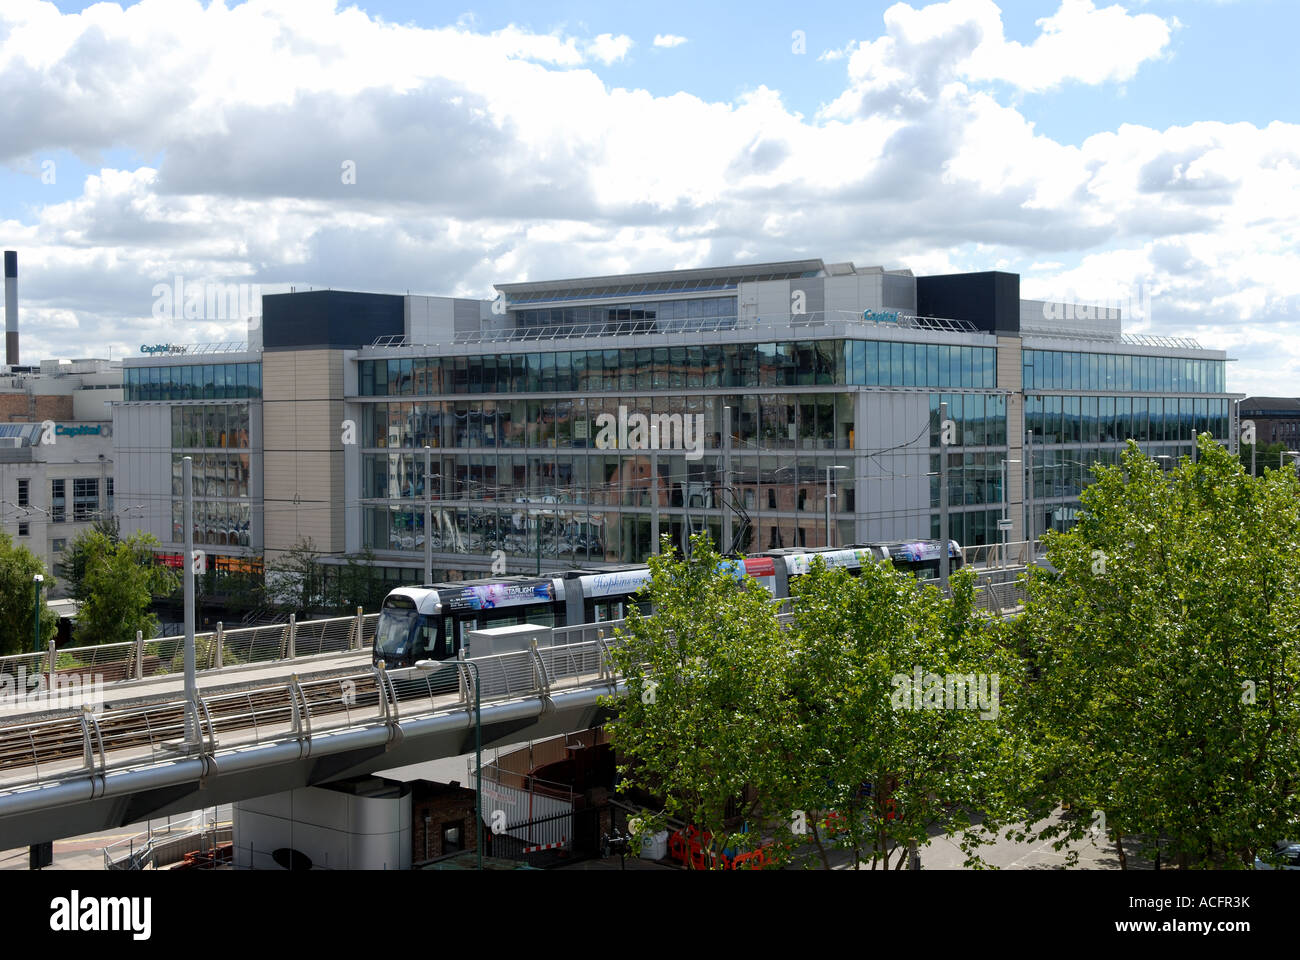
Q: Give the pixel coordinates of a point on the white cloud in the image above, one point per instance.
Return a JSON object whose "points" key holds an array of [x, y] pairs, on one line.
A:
{"points": [[608, 48], [490, 157], [838, 54], [668, 40], [964, 40]]}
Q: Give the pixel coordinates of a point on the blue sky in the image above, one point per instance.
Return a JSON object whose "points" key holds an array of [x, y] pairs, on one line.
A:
{"points": [[1140, 140]]}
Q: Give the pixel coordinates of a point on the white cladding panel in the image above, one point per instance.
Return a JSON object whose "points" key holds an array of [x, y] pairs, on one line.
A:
{"points": [[335, 829], [430, 319], [142, 468], [893, 493]]}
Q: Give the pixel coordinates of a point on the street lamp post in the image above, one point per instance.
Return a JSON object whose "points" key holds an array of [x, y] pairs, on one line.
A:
{"points": [[828, 501], [1005, 516], [427, 666], [37, 582], [943, 499]]}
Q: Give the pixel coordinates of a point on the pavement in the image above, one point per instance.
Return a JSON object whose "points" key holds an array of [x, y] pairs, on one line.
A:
{"points": [[87, 852], [943, 853]]}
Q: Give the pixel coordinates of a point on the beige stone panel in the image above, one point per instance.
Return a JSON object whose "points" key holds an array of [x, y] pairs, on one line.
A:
{"points": [[279, 375]]}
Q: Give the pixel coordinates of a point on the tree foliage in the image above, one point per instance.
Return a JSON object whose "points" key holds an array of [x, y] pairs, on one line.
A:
{"points": [[749, 729], [904, 711], [1167, 660], [118, 583], [18, 566], [706, 723], [294, 580], [356, 584], [71, 565], [1268, 456]]}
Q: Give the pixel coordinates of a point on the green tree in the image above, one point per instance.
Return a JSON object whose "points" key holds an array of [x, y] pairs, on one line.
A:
{"points": [[1269, 456], [18, 566], [118, 586], [71, 565], [904, 712], [706, 724], [1167, 657], [355, 584], [294, 580]]}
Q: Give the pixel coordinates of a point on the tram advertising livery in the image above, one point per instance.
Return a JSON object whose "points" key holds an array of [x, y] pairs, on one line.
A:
{"points": [[431, 622]]}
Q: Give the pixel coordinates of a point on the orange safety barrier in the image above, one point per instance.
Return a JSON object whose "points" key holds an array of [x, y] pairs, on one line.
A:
{"points": [[699, 859], [677, 846]]}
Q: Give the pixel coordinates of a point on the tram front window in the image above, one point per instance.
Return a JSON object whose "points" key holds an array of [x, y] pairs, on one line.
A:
{"points": [[394, 633]]}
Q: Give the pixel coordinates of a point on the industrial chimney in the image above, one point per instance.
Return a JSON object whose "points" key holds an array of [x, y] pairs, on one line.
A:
{"points": [[11, 307]]}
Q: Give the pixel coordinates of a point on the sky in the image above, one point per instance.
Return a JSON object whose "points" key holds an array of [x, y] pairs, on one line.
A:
{"points": [[1142, 154]]}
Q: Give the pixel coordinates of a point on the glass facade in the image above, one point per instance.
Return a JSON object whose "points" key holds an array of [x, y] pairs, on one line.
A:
{"points": [[868, 363], [216, 437], [193, 381], [1064, 370], [1071, 434], [1093, 420], [669, 316]]}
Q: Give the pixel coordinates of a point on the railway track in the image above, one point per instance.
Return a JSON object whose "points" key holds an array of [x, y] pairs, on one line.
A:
{"points": [[71, 743], [160, 728]]}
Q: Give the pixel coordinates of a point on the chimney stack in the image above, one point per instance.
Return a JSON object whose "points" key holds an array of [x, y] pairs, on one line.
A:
{"points": [[11, 307]]}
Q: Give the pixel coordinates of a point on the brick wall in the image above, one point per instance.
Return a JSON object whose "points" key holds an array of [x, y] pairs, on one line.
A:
{"points": [[443, 804], [27, 408]]}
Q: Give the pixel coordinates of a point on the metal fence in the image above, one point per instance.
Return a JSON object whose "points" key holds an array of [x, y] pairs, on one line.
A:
{"points": [[535, 841], [163, 846], [215, 650]]}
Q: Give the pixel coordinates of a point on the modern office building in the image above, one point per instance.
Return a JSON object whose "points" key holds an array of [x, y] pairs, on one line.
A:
{"points": [[574, 422], [57, 462], [204, 402]]}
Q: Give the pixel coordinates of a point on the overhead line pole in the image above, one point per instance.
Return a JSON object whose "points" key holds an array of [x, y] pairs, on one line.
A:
{"points": [[943, 498], [191, 683], [428, 514]]}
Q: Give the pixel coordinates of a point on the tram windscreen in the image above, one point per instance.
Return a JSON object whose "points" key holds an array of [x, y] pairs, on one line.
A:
{"points": [[397, 622]]}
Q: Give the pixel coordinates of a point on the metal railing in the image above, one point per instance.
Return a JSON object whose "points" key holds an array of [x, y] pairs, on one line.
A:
{"points": [[218, 649], [669, 326], [38, 753], [86, 744], [1019, 553], [166, 845]]}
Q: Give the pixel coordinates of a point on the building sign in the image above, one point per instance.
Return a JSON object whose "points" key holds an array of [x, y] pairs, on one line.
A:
{"points": [[80, 430], [169, 348], [489, 596], [881, 316]]}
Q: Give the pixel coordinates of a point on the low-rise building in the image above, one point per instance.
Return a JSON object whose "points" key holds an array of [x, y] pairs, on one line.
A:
{"points": [[1276, 419], [56, 451]]}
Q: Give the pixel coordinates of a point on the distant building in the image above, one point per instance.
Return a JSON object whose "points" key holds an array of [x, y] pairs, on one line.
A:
{"points": [[1277, 419], [56, 451], [792, 377]]}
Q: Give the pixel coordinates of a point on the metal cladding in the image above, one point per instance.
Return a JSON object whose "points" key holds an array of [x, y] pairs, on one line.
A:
{"points": [[11, 307]]}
